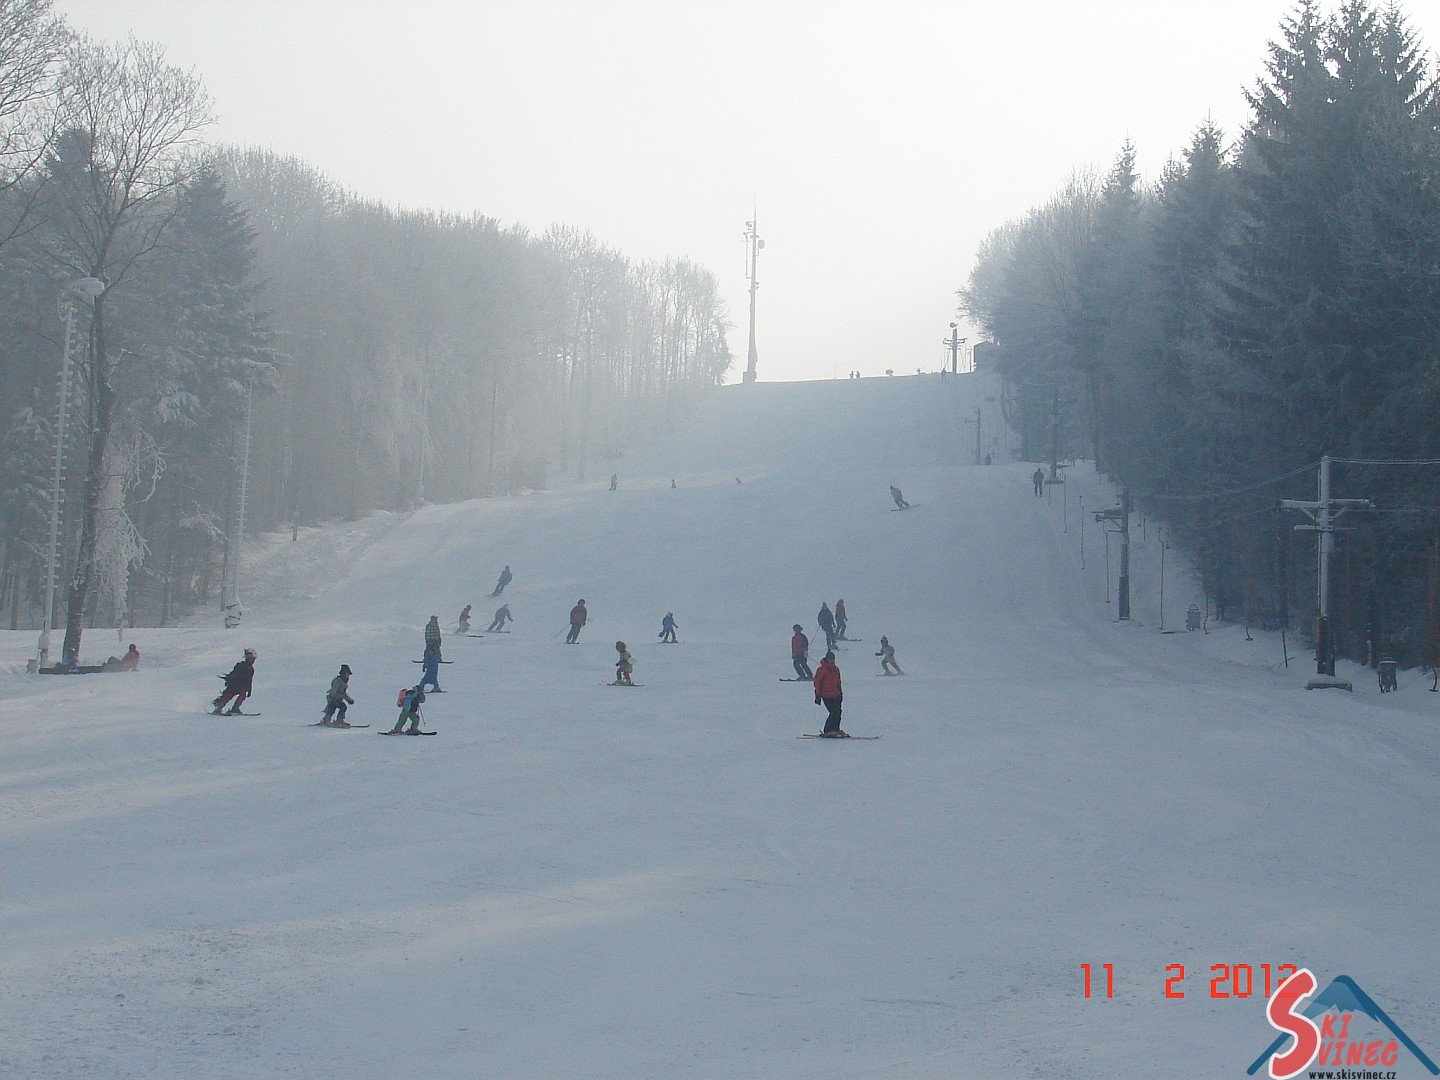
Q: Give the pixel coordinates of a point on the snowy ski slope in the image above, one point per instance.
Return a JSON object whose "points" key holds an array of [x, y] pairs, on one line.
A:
{"points": [[574, 880]]}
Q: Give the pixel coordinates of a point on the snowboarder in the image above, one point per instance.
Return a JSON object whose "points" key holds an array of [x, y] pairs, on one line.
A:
{"points": [[614, 481], [238, 684], [337, 699], [800, 654], [1038, 479], [410, 702], [464, 627], [625, 666], [900, 503], [430, 669], [887, 657], [505, 578], [579, 616], [432, 635], [840, 620], [826, 619], [667, 628], [828, 693], [502, 616]]}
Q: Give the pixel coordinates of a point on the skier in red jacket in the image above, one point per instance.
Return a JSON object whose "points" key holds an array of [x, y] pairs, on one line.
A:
{"points": [[829, 694], [800, 654]]}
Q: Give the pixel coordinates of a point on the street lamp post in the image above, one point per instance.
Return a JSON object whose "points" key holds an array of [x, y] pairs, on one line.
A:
{"points": [[89, 288], [754, 245]]}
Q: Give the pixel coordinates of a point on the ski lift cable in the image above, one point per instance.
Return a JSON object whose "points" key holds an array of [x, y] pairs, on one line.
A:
{"points": [[1235, 491]]}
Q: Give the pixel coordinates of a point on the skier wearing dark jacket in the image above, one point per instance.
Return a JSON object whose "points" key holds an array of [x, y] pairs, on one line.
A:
{"points": [[238, 684], [338, 698], [840, 619], [579, 616], [432, 634], [800, 653], [668, 627], [826, 619], [505, 578], [828, 693]]}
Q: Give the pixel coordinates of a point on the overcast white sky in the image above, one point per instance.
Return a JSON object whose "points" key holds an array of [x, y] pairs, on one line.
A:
{"points": [[880, 141]]}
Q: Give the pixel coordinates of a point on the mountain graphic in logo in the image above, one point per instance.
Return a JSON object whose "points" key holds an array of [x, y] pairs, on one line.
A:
{"points": [[1344, 995]]}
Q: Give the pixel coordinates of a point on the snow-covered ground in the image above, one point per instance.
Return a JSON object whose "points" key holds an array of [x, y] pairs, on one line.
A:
{"points": [[573, 880]]}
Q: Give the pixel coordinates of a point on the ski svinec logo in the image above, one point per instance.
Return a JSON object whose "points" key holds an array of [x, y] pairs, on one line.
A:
{"points": [[1320, 1033]]}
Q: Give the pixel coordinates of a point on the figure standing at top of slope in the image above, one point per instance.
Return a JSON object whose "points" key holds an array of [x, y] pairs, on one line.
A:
{"points": [[887, 657], [800, 654], [337, 699], [238, 684], [505, 578], [1038, 479], [432, 635], [410, 702], [625, 666], [826, 619], [900, 503], [614, 481], [579, 616], [840, 620], [667, 628], [464, 625], [502, 616], [828, 693]]}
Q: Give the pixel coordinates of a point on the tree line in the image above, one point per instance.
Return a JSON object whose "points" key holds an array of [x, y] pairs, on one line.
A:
{"points": [[1267, 301], [221, 298]]}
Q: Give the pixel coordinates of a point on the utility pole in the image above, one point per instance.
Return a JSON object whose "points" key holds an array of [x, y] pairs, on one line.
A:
{"points": [[88, 288], [490, 466], [979, 456], [232, 606], [954, 341], [1055, 434], [1323, 512], [1120, 517], [754, 245]]}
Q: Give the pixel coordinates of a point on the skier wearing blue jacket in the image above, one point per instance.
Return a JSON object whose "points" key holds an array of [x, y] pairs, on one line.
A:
{"points": [[430, 671]]}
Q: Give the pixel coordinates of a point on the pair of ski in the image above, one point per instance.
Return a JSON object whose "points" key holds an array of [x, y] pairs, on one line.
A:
{"points": [[622, 684], [342, 727], [837, 738], [405, 733]]}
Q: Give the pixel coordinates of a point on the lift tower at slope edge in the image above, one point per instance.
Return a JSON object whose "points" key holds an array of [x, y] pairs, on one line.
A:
{"points": [[755, 244]]}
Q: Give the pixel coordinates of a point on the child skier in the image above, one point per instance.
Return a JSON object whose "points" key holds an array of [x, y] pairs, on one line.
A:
{"points": [[667, 628], [464, 627], [625, 666], [887, 657], [410, 703], [430, 670], [828, 692], [337, 699], [800, 654], [238, 684], [502, 616]]}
